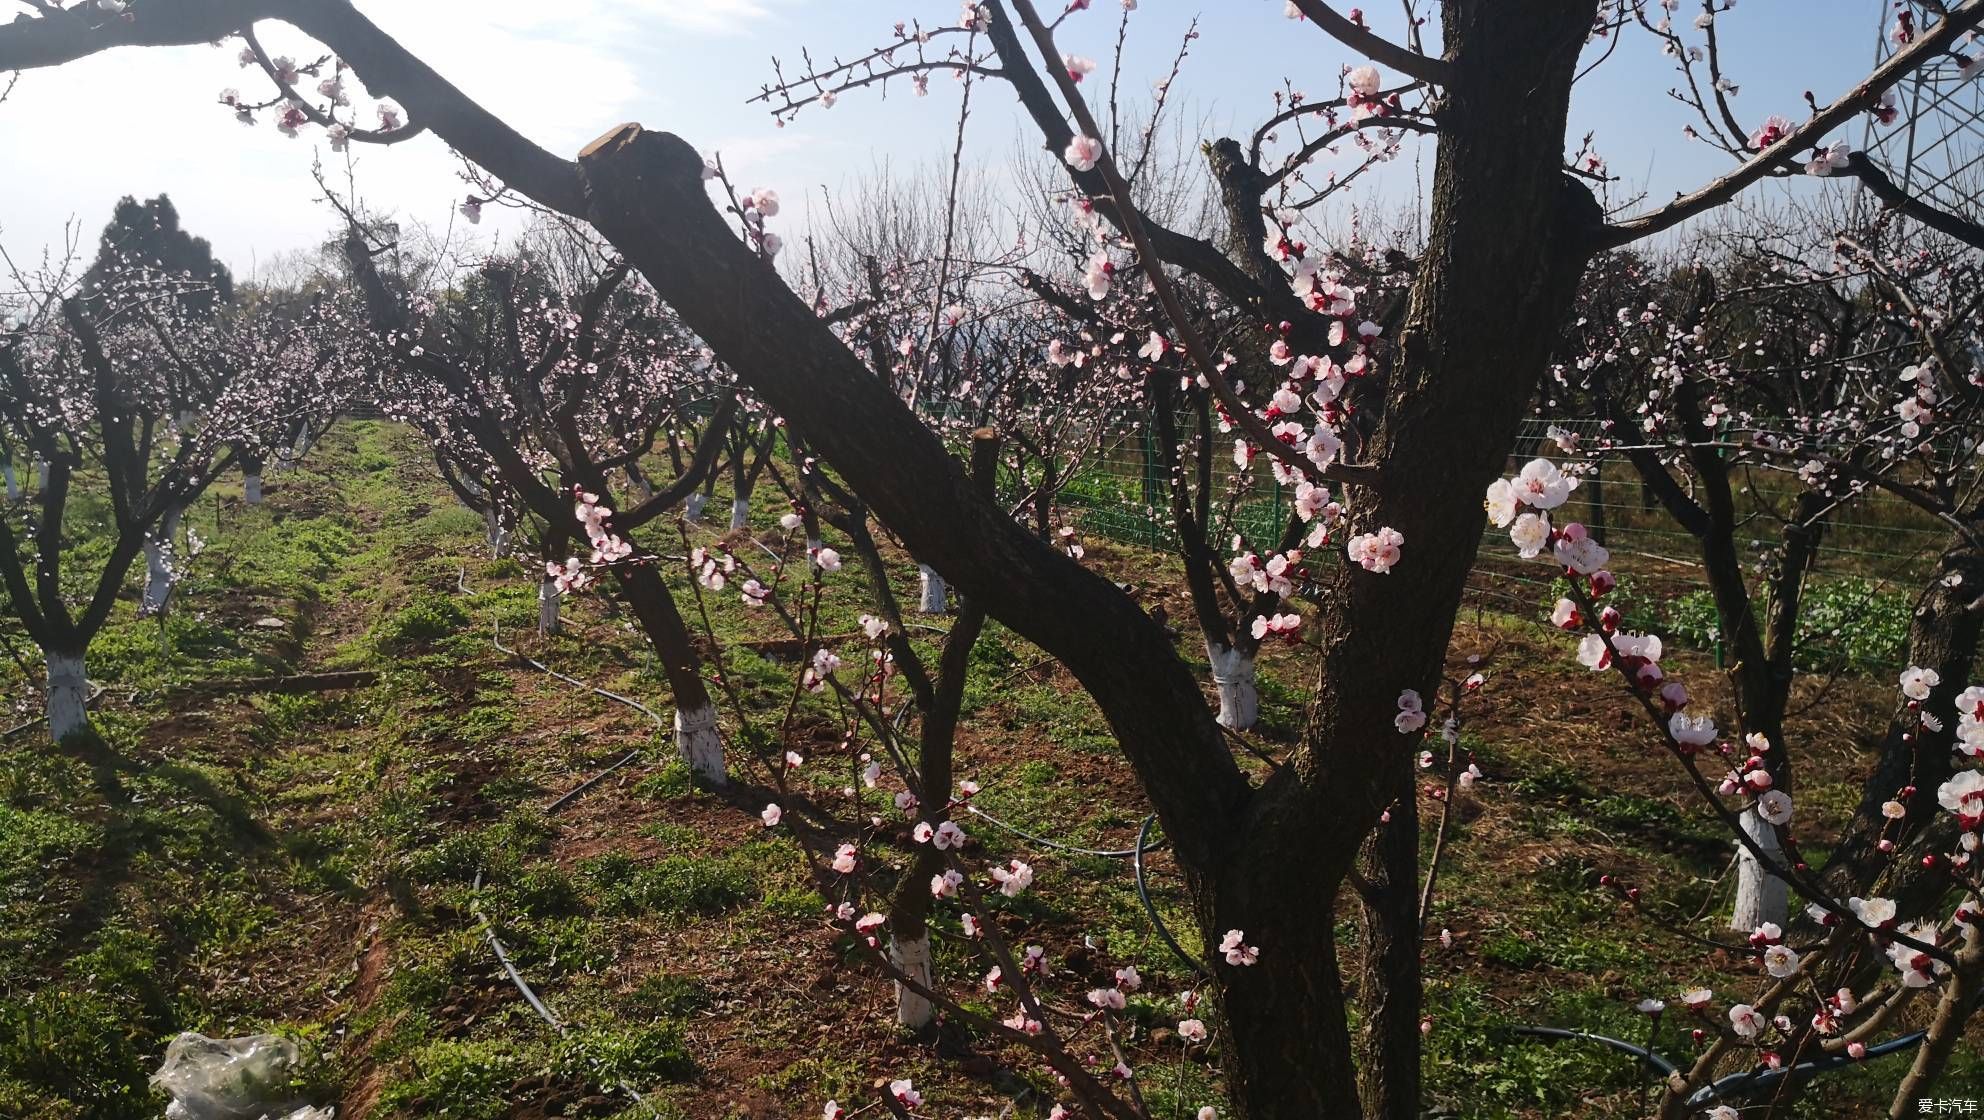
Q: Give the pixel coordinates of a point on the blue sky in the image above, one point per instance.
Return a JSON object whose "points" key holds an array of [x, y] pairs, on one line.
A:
{"points": [[565, 72]]}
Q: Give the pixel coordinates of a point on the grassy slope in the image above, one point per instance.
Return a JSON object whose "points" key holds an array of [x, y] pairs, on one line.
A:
{"points": [[305, 863]]}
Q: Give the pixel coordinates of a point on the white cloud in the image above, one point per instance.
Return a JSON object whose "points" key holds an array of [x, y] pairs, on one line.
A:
{"points": [[710, 17]]}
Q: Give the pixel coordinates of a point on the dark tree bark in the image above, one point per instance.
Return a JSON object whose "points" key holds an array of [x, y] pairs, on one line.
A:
{"points": [[1388, 986], [1942, 635], [1508, 237]]}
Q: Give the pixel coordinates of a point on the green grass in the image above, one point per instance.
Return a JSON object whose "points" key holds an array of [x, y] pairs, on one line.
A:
{"points": [[261, 845]]}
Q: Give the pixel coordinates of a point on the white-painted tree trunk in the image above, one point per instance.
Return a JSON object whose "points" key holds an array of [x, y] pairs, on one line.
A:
{"points": [[912, 957], [40, 474], [1233, 675], [68, 694], [497, 536], [251, 486], [693, 511], [13, 482], [547, 606], [184, 422], [161, 556], [740, 513], [700, 745], [933, 600], [639, 486], [1760, 896]]}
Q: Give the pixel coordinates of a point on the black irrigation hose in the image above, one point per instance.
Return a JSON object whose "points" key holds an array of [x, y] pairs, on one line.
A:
{"points": [[1746, 1083], [1150, 909], [1664, 1067], [503, 957], [1126, 853], [1738, 1085], [1136, 857]]}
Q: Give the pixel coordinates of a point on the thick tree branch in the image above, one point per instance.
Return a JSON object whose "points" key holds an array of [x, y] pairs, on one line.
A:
{"points": [[1884, 188], [386, 68], [1860, 98], [1201, 258], [1375, 47], [1237, 410], [647, 196]]}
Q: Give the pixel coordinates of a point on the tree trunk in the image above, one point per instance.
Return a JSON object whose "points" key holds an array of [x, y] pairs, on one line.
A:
{"points": [[40, 473], [1468, 355], [696, 734], [13, 482], [692, 511], [911, 954], [251, 485], [496, 535], [931, 598], [1953, 1012], [699, 743], [740, 513], [1284, 1024], [1943, 635], [1233, 675], [160, 563], [548, 598], [1388, 987], [1509, 237], [909, 905], [1760, 896], [68, 694]]}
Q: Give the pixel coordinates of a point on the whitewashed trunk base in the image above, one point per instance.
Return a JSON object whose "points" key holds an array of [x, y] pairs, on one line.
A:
{"points": [[912, 957], [933, 599], [1760, 896], [547, 607], [13, 482], [740, 513], [494, 533], [68, 695], [1239, 697], [251, 487], [697, 740], [160, 564], [41, 474], [692, 512]]}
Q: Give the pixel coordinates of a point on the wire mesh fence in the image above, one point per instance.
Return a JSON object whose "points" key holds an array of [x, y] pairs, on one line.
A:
{"points": [[1876, 551]]}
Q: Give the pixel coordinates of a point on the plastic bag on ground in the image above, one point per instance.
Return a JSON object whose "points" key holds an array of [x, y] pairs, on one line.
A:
{"points": [[246, 1078]]}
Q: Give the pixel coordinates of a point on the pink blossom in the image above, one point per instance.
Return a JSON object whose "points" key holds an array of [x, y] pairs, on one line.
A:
{"points": [[1237, 951], [1773, 129], [1376, 552], [1083, 152], [1013, 879], [946, 885]]}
